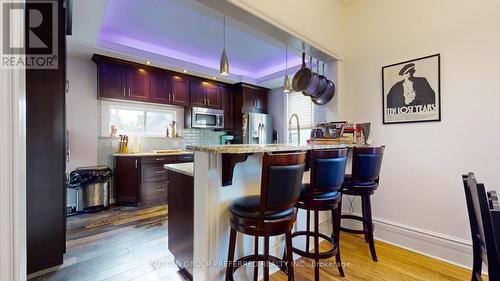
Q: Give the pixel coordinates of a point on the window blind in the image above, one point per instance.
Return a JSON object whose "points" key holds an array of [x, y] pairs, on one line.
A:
{"points": [[303, 106]]}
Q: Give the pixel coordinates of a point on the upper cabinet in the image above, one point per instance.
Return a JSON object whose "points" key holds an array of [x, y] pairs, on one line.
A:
{"points": [[111, 81], [180, 91], [254, 99], [167, 88], [121, 82], [138, 84], [206, 94]]}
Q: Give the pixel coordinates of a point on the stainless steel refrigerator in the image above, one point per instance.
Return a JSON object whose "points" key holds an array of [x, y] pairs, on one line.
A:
{"points": [[257, 128]]}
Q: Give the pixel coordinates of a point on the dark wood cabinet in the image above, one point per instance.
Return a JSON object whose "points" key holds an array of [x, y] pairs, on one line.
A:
{"points": [[246, 98], [143, 180], [112, 81], [206, 94], [214, 96], [198, 95], [180, 91], [138, 84], [254, 99], [127, 178], [181, 219], [46, 154], [116, 81], [227, 106], [160, 88]]}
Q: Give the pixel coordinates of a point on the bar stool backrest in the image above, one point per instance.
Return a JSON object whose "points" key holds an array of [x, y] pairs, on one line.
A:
{"points": [[483, 236], [281, 181], [327, 169], [366, 164]]}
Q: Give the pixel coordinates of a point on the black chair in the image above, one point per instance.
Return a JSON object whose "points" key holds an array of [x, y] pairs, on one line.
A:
{"points": [[271, 213], [483, 235], [366, 164], [322, 194]]}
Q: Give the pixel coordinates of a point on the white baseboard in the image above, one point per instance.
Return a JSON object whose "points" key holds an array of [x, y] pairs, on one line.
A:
{"points": [[448, 249]]}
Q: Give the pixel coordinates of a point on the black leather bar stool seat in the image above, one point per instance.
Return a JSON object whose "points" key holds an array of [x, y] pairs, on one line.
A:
{"points": [[271, 213], [333, 195], [248, 207], [322, 194], [358, 188], [366, 164]]}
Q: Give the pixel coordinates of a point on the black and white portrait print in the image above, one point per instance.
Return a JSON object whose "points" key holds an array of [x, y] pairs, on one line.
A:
{"points": [[411, 91]]}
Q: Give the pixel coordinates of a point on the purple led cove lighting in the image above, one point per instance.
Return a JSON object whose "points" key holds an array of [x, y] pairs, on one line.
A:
{"points": [[145, 27]]}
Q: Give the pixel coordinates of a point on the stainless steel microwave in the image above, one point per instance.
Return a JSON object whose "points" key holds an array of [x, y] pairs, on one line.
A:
{"points": [[207, 118]]}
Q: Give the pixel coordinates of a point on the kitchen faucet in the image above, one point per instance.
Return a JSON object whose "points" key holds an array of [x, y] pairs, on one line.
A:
{"points": [[290, 128]]}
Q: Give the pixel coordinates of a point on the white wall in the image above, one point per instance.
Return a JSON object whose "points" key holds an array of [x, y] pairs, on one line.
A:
{"points": [[421, 178], [82, 112], [317, 22]]}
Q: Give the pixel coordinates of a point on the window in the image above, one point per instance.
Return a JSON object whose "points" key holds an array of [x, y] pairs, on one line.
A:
{"points": [[137, 119], [303, 107]]}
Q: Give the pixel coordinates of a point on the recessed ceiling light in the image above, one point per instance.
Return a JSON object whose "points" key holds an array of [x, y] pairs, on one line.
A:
{"points": [[184, 70], [148, 62], [215, 78]]}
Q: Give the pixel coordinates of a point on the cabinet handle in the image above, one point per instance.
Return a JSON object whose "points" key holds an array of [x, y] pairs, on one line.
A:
{"points": [[136, 163], [161, 189], [160, 172], [124, 92], [169, 97], [173, 97], [129, 92], [160, 159]]}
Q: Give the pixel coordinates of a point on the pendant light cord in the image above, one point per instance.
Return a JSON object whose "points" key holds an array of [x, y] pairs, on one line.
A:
{"points": [[224, 31], [286, 59]]}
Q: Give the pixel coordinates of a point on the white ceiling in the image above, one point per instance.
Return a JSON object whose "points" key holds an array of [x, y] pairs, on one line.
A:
{"points": [[178, 34]]}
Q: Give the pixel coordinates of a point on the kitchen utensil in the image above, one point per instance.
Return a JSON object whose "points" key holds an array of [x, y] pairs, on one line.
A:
{"points": [[322, 81], [313, 84], [302, 79], [326, 96]]}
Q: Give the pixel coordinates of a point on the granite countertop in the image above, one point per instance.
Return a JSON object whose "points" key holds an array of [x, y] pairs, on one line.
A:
{"points": [[145, 154], [257, 148], [183, 168]]}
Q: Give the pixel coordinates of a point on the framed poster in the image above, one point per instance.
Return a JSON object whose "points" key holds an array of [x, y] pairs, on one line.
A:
{"points": [[411, 91]]}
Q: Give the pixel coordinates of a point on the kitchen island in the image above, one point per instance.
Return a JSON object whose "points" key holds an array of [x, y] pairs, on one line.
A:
{"points": [[223, 173]]}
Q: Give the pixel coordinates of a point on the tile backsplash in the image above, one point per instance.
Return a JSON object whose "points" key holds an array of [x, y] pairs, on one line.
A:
{"points": [[106, 147]]}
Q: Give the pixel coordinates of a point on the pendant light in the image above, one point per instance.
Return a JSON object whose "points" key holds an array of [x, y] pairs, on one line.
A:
{"points": [[224, 63], [286, 83]]}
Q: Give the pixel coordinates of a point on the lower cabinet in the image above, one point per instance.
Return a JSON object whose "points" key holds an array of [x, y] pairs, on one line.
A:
{"points": [[181, 219], [143, 181]]}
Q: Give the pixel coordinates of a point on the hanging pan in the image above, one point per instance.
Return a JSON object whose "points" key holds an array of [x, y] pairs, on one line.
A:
{"points": [[313, 83], [322, 81], [326, 96], [302, 76]]}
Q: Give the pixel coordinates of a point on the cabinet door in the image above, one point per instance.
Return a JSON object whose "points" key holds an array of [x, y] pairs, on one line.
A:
{"points": [[248, 98], [180, 91], [111, 80], [127, 179], [198, 97], [260, 98], [138, 84], [214, 96], [227, 106], [160, 88]]}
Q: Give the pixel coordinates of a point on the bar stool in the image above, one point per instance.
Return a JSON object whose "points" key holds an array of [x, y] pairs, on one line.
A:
{"points": [[366, 164], [271, 213], [322, 194]]}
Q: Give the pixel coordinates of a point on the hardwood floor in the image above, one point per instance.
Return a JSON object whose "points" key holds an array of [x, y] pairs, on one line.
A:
{"points": [[127, 243], [123, 243], [394, 264]]}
